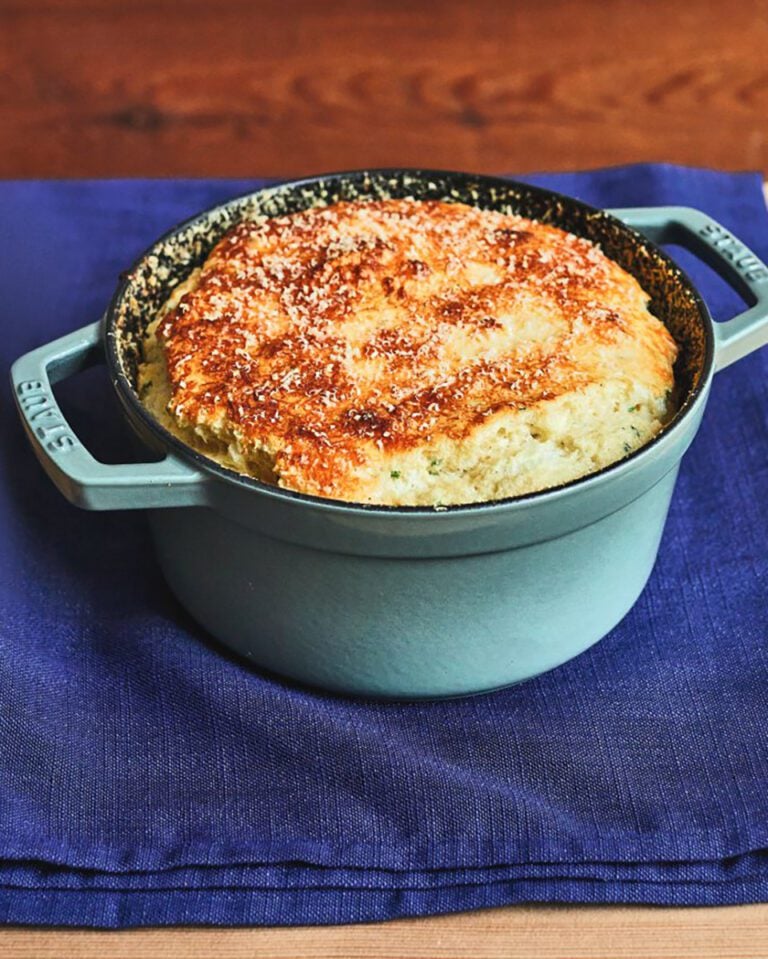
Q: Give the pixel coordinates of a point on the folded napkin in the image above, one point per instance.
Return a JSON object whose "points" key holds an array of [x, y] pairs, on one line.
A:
{"points": [[147, 776]]}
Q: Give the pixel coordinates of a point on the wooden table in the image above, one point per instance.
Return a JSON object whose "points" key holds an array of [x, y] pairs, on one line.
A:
{"points": [[519, 932], [282, 87], [244, 88]]}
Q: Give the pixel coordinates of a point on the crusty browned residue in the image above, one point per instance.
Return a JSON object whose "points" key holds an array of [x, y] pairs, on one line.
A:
{"points": [[377, 321]]}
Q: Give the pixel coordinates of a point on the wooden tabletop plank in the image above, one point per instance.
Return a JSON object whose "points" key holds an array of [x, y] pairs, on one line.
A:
{"points": [[517, 932], [265, 87]]}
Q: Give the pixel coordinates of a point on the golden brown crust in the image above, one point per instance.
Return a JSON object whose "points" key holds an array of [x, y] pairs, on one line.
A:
{"points": [[372, 328]]}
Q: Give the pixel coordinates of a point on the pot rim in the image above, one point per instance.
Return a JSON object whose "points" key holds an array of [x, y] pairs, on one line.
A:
{"points": [[137, 411]]}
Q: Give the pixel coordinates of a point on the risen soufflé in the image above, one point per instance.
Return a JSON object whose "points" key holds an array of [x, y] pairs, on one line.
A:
{"points": [[408, 352]]}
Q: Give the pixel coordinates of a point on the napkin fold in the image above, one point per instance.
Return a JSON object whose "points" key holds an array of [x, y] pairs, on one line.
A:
{"points": [[148, 776]]}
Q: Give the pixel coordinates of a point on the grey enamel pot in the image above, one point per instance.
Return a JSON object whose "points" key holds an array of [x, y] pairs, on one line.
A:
{"points": [[400, 602]]}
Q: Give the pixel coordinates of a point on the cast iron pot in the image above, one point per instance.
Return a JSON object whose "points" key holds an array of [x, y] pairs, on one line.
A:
{"points": [[400, 601]]}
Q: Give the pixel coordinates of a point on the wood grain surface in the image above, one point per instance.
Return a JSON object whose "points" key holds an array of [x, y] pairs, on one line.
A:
{"points": [[523, 932], [285, 87], [543, 932]]}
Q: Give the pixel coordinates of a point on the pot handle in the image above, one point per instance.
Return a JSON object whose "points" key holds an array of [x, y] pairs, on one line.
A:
{"points": [[727, 256], [82, 479]]}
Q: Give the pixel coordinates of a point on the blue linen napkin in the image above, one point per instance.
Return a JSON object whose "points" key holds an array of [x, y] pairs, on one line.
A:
{"points": [[148, 777]]}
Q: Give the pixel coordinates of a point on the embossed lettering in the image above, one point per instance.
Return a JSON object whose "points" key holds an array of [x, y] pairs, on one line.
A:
{"points": [[29, 386], [62, 444], [44, 432], [729, 247], [48, 412], [757, 275], [39, 405], [31, 400]]}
